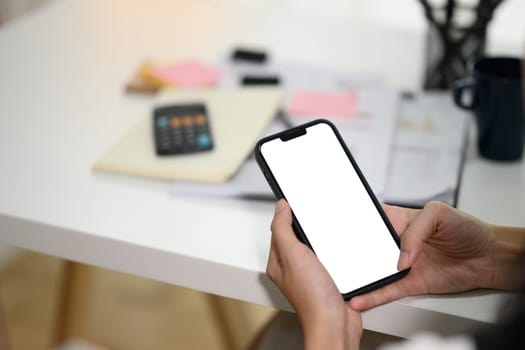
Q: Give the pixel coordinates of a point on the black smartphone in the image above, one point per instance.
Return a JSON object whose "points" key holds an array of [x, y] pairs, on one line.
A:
{"points": [[334, 210]]}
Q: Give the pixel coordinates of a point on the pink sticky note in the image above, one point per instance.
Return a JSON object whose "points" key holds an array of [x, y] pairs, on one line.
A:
{"points": [[318, 103], [188, 74]]}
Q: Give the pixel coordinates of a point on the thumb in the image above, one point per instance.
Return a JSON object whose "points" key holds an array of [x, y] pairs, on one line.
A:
{"points": [[281, 226], [422, 227]]}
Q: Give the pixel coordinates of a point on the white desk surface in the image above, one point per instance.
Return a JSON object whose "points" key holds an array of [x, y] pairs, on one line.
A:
{"points": [[61, 105]]}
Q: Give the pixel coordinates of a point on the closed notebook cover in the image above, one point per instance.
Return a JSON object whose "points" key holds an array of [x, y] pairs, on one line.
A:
{"points": [[238, 119]]}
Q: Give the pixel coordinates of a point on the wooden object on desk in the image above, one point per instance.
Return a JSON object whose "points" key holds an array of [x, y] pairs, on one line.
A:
{"points": [[138, 84], [237, 117]]}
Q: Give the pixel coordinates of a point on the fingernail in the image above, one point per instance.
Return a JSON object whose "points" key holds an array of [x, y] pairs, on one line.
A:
{"points": [[280, 206], [404, 260]]}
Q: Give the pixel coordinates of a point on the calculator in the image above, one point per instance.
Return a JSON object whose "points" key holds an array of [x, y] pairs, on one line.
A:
{"points": [[181, 129]]}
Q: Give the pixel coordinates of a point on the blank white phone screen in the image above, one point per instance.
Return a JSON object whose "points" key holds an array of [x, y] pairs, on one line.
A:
{"points": [[333, 207]]}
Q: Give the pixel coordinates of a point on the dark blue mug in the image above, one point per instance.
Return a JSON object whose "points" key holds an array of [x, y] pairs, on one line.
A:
{"points": [[496, 91]]}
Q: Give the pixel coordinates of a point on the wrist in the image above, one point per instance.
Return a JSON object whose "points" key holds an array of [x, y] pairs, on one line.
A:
{"points": [[324, 337], [328, 336], [508, 257], [334, 333]]}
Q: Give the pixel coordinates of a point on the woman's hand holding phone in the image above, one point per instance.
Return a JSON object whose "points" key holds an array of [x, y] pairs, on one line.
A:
{"points": [[449, 251], [327, 321]]}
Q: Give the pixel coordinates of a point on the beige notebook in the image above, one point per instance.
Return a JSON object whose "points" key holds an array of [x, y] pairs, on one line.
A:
{"points": [[237, 117]]}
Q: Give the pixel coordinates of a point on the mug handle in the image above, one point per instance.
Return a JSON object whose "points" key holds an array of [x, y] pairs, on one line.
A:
{"points": [[459, 88]]}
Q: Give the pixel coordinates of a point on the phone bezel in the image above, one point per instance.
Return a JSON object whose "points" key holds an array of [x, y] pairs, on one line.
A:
{"points": [[299, 131]]}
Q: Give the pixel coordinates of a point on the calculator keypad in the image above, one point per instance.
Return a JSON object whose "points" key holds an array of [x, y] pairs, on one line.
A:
{"points": [[182, 129]]}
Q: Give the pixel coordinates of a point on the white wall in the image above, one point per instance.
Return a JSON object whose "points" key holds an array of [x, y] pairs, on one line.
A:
{"points": [[10, 9], [506, 32]]}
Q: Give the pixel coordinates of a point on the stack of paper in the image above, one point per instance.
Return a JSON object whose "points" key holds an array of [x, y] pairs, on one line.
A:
{"points": [[426, 155], [428, 151]]}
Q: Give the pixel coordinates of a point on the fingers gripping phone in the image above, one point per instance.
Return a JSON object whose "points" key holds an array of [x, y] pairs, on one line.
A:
{"points": [[334, 210]]}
